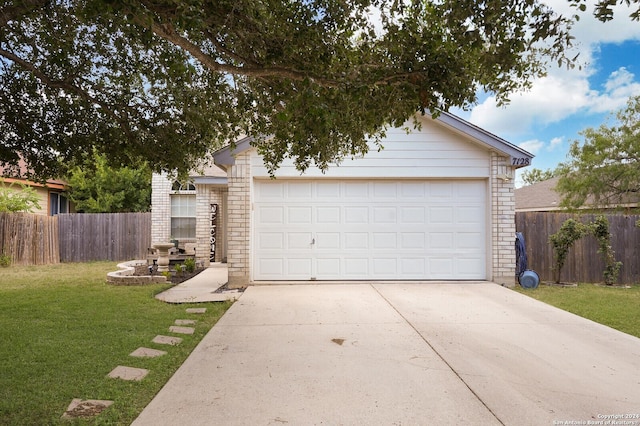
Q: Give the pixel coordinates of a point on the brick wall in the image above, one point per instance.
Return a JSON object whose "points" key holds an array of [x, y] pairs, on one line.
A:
{"points": [[239, 220], [160, 209], [503, 226]]}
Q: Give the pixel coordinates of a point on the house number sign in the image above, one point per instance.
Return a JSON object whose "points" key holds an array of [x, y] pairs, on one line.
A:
{"points": [[213, 217]]}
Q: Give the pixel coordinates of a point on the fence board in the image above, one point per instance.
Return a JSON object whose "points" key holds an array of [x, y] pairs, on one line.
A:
{"points": [[584, 263], [104, 236], [29, 239]]}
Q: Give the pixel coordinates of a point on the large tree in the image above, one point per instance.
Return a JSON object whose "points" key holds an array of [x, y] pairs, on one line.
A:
{"points": [[604, 169], [96, 187], [532, 176], [170, 80]]}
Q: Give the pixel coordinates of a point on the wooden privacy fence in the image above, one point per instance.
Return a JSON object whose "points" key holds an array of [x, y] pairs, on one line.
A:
{"points": [[104, 236], [584, 263], [29, 239]]}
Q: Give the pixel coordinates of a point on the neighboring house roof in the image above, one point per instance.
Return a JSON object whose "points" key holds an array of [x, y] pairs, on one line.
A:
{"points": [[11, 177], [226, 156], [540, 196]]}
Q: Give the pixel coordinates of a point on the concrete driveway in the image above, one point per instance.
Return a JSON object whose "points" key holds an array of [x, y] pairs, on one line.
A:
{"points": [[402, 354]]}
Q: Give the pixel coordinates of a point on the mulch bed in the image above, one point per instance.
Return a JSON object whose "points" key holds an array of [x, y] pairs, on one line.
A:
{"points": [[176, 278]]}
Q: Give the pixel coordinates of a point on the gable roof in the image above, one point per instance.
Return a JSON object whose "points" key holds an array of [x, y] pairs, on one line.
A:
{"points": [[226, 156], [10, 176], [539, 197]]}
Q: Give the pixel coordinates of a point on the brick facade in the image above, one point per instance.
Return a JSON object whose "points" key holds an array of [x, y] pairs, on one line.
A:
{"points": [[502, 229], [503, 224], [205, 196], [239, 221], [160, 209]]}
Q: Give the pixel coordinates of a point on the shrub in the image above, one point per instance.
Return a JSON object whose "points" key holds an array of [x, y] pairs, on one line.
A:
{"points": [[570, 231], [190, 265], [5, 260]]}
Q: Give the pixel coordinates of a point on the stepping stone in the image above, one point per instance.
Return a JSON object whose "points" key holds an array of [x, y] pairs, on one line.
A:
{"points": [[83, 408], [167, 340], [185, 322], [147, 353], [128, 373], [181, 330], [196, 310]]}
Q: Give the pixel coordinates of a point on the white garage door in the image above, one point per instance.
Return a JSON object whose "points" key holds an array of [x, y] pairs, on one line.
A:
{"points": [[369, 230]]}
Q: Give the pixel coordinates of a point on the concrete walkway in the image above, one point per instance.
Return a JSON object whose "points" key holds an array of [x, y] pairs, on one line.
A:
{"points": [[201, 288], [401, 354]]}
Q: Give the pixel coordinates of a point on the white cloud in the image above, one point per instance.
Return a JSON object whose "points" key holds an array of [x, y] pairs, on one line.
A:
{"points": [[554, 143], [533, 146], [563, 93]]}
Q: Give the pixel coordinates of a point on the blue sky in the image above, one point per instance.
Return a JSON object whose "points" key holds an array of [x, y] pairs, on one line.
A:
{"points": [[547, 118]]}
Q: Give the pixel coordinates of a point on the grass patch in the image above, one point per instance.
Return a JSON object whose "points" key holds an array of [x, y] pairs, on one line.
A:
{"points": [[615, 307], [63, 329]]}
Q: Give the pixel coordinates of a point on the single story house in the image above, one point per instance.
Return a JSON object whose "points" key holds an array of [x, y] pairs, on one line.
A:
{"points": [[435, 204], [52, 193], [538, 197], [543, 197]]}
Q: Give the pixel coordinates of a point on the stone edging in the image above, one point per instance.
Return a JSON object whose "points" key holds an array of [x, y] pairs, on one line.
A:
{"points": [[125, 275]]}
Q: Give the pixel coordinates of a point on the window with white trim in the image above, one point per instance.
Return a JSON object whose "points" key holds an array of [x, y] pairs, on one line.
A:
{"points": [[183, 211]]}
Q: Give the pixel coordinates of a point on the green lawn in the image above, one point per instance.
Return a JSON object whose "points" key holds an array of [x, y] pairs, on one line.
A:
{"points": [[63, 329], [616, 307]]}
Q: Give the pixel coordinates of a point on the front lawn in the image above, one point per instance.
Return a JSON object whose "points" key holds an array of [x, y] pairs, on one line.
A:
{"points": [[615, 307], [63, 329]]}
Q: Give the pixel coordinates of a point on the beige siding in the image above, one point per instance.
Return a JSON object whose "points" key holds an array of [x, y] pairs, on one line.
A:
{"points": [[431, 152]]}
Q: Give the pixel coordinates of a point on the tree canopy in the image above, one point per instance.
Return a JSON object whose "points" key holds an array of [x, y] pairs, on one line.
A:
{"points": [[17, 197], [167, 81], [604, 169], [531, 176], [96, 187]]}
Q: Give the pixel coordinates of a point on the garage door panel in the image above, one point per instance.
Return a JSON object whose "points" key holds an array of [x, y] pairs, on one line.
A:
{"points": [[270, 215], [299, 240], [413, 240], [440, 268], [299, 190], [329, 267], [385, 190], [356, 240], [299, 267], [412, 215], [441, 240], [356, 191], [299, 215], [385, 267], [356, 267], [384, 240], [369, 230], [384, 215], [414, 266], [441, 215], [328, 190], [271, 241], [469, 240], [271, 266], [356, 215], [327, 241], [328, 215]]}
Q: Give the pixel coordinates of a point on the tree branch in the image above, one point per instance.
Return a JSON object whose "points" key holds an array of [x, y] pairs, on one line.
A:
{"points": [[11, 13], [66, 85]]}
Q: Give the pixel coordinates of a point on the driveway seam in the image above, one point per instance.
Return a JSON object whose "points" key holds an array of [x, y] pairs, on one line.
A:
{"points": [[437, 353]]}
